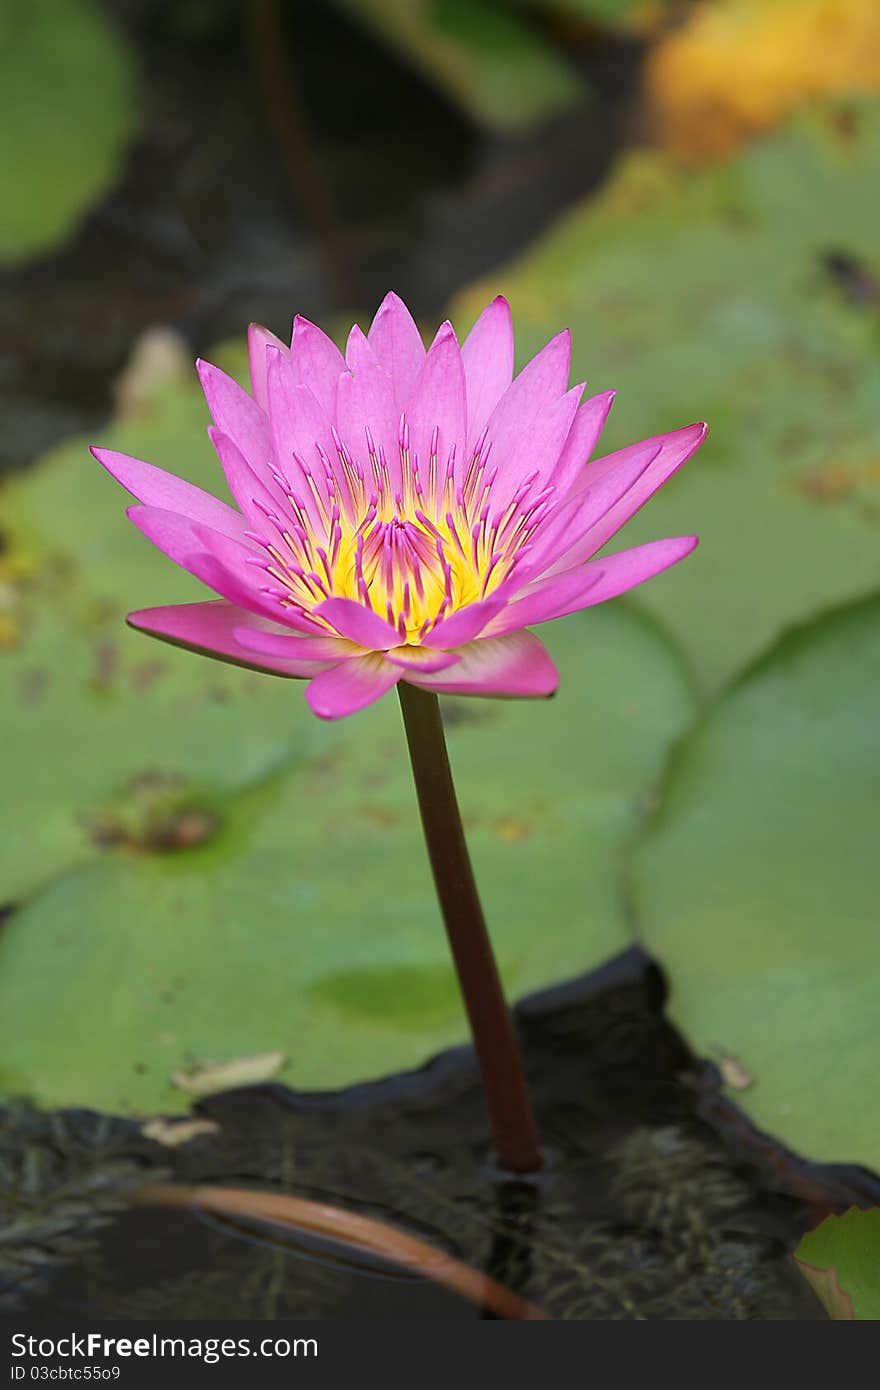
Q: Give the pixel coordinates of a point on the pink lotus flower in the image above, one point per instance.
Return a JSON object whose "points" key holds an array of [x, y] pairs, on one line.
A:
{"points": [[403, 514]]}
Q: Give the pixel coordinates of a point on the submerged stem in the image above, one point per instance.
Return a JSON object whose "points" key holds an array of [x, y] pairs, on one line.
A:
{"points": [[507, 1094]]}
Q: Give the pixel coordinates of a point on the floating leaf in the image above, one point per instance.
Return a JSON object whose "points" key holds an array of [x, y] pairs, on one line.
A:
{"points": [[841, 1260], [109, 739], [68, 112], [711, 294], [757, 882], [308, 922]]}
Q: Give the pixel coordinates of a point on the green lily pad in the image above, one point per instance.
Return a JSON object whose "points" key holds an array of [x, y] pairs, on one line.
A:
{"points": [[757, 881], [841, 1260], [305, 920], [486, 59], [713, 294], [108, 737], [68, 112]]}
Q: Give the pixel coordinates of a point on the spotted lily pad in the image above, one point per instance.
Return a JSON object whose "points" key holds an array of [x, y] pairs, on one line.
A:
{"points": [[756, 883], [307, 924], [69, 102], [109, 739]]}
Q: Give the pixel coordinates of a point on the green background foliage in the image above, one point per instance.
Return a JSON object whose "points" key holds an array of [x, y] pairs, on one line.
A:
{"points": [[68, 112], [706, 294]]}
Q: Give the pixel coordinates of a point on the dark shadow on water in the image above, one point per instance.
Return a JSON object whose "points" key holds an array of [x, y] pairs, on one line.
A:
{"points": [[657, 1201]]}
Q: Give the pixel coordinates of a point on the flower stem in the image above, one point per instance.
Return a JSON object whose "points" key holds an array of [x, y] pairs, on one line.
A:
{"points": [[507, 1094]]}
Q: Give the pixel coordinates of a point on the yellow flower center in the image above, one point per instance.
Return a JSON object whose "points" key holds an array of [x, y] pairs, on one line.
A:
{"points": [[413, 554]]}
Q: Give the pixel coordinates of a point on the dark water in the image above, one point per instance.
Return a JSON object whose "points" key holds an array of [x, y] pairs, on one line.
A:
{"points": [[657, 1202], [248, 198]]}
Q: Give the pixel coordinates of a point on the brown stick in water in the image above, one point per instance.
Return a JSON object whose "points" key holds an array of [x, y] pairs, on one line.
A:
{"points": [[360, 1232]]}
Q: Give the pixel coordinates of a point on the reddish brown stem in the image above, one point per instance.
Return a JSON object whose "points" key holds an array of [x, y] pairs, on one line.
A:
{"points": [[507, 1094], [359, 1232]]}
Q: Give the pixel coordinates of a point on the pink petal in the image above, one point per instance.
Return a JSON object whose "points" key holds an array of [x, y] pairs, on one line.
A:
{"points": [[626, 568], [487, 353], [358, 624], [226, 567], [285, 646], [423, 659], [216, 560], [156, 488], [237, 415], [583, 437], [300, 431], [521, 414], [317, 363], [515, 665], [247, 488], [437, 415], [351, 686], [548, 599], [465, 624], [209, 628], [180, 537], [229, 585], [593, 583], [398, 346], [259, 339], [563, 530], [672, 451], [542, 380], [540, 452], [366, 409]]}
